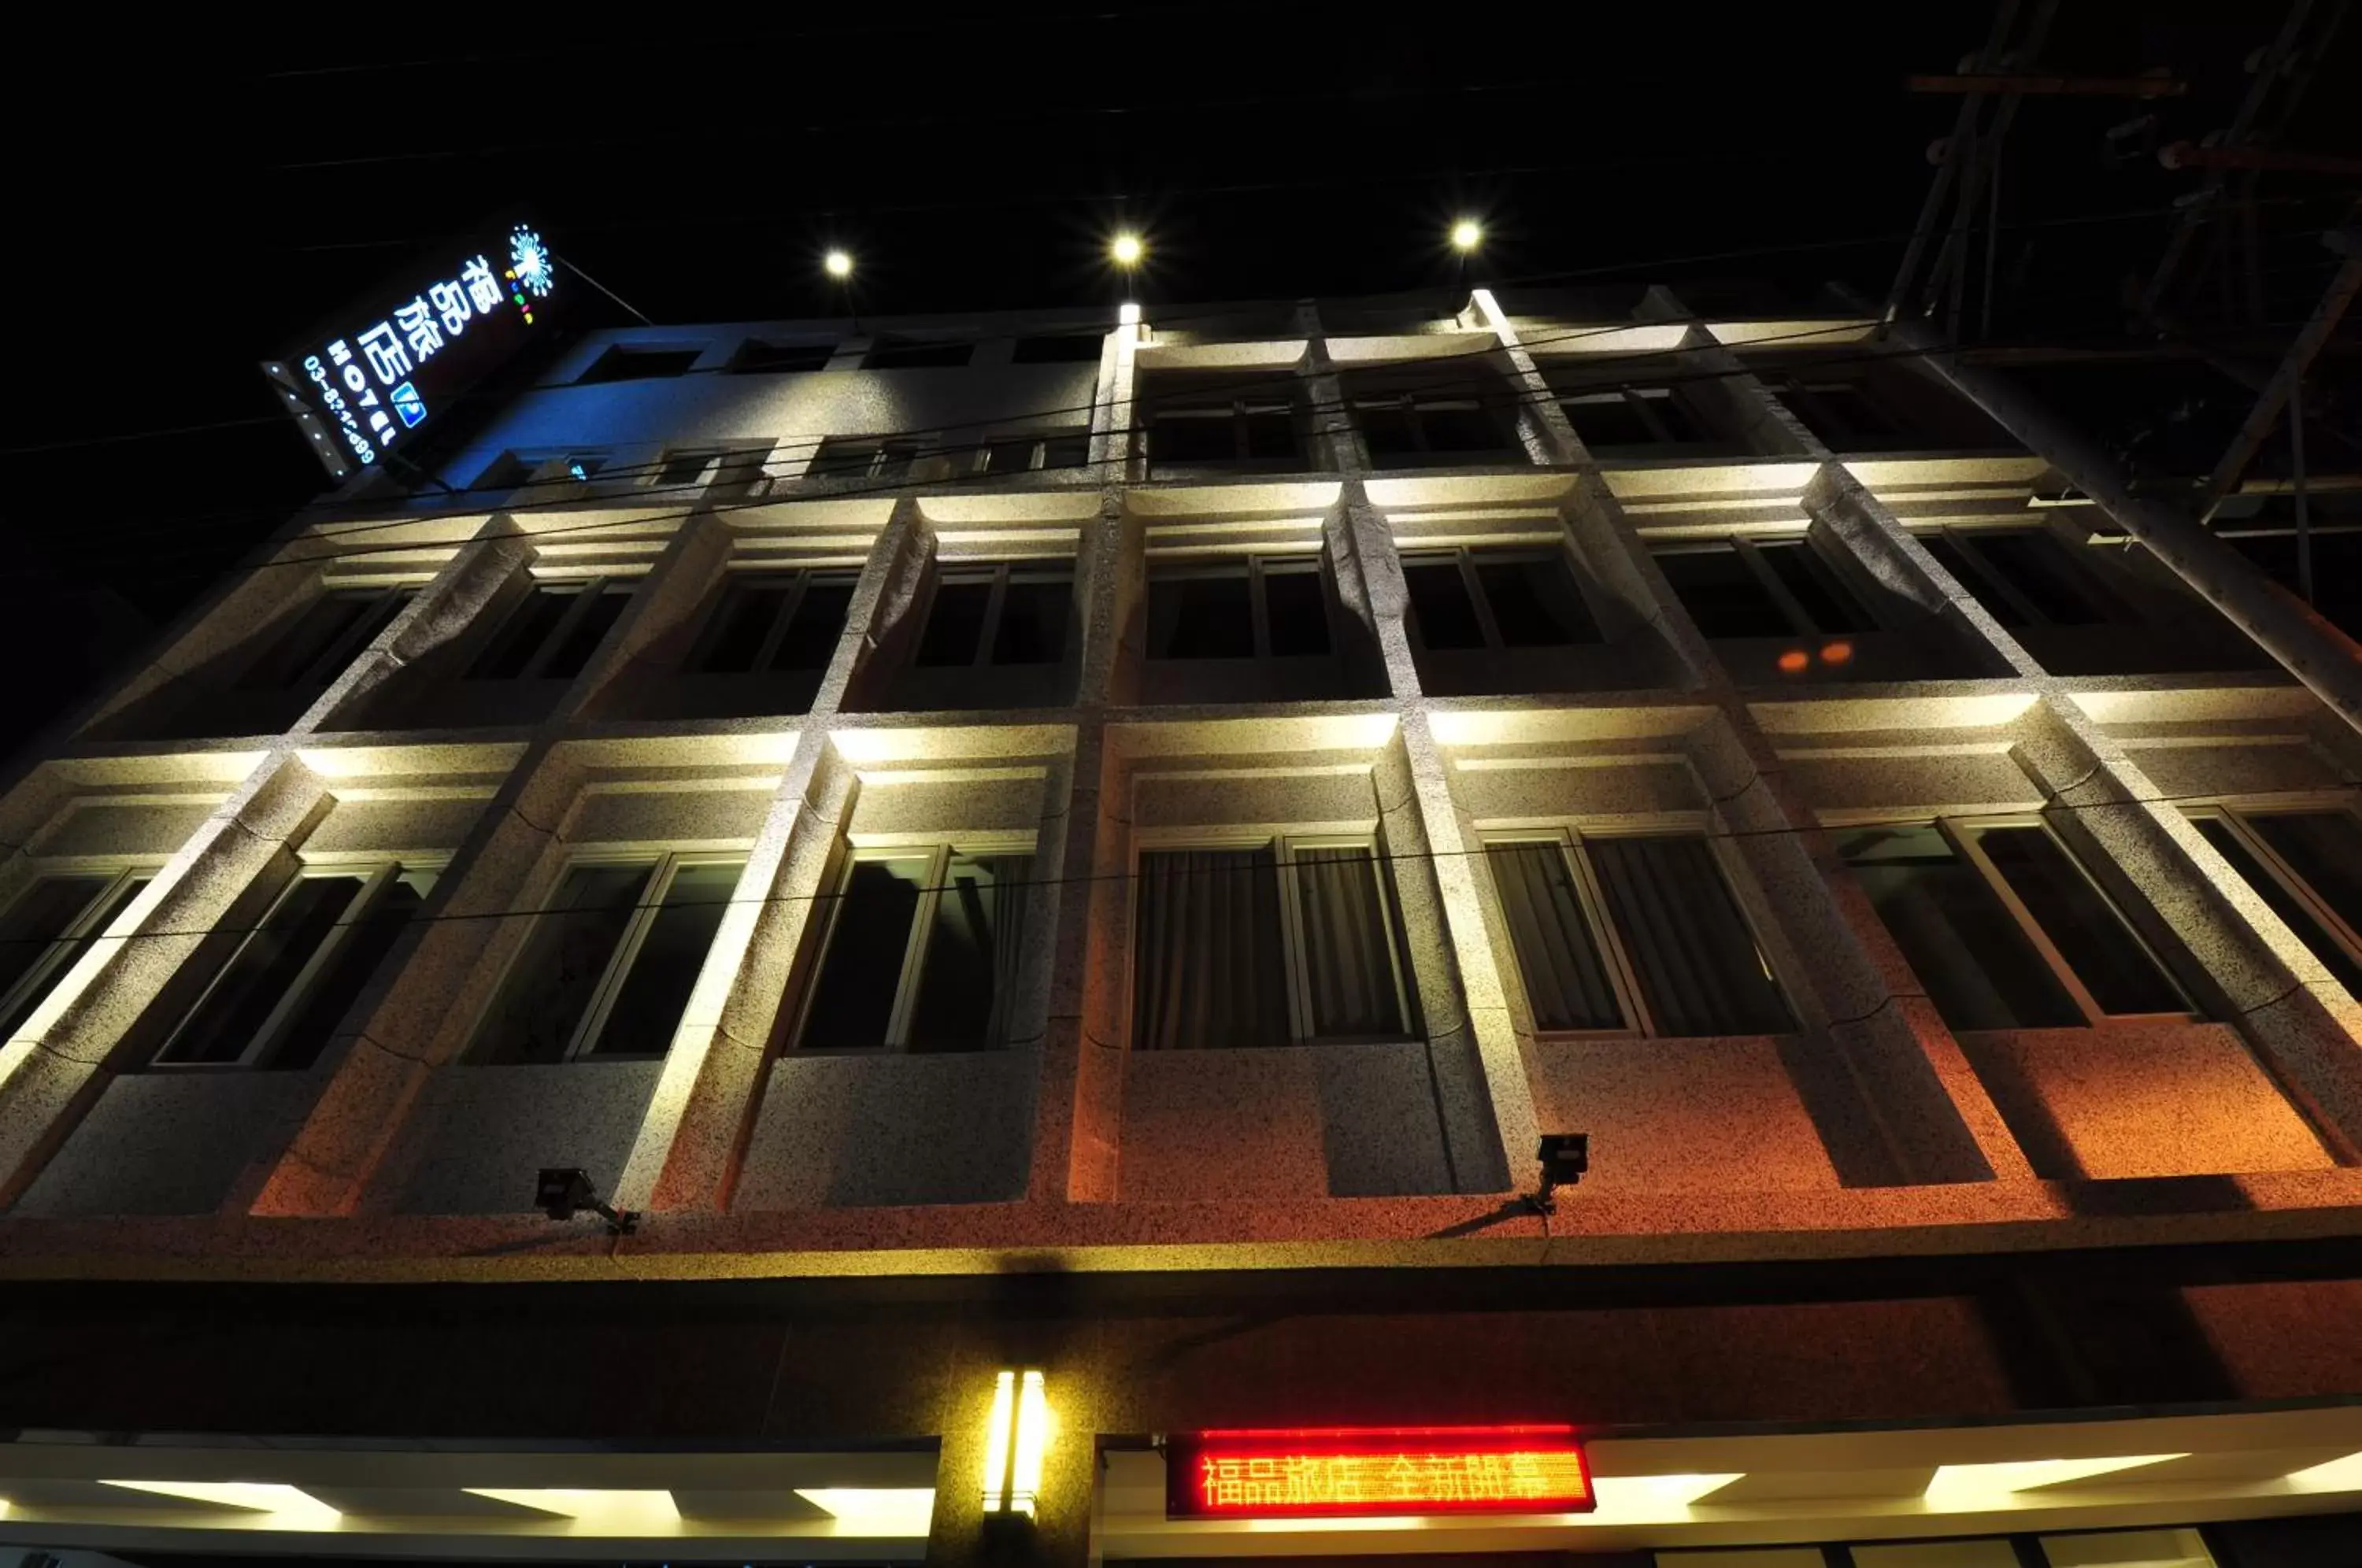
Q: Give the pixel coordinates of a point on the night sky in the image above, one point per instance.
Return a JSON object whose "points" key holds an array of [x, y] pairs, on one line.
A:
{"points": [[977, 162]]}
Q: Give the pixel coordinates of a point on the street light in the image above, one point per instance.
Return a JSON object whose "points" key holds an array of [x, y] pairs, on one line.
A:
{"points": [[1467, 235], [838, 264], [1126, 250]]}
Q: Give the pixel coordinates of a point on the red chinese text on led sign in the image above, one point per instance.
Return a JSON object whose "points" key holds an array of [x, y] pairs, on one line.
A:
{"points": [[1349, 1472]]}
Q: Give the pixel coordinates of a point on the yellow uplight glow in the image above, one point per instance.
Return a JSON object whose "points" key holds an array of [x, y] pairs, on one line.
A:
{"points": [[1965, 1488], [1033, 1441], [1649, 1499], [2337, 1475], [839, 264], [901, 1512], [1467, 235], [290, 1505], [607, 1508], [1126, 249], [997, 1437]]}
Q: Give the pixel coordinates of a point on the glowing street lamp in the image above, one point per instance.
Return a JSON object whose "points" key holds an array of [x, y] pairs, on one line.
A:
{"points": [[839, 265], [1126, 250], [1467, 235]]}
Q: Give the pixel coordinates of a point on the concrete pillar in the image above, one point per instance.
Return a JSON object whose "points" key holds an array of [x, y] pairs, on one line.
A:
{"points": [[2324, 659], [442, 611], [63, 1054]]}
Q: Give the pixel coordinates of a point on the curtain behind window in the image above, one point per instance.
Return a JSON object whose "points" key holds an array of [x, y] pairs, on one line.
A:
{"points": [[1695, 959], [1566, 982], [1209, 969], [1348, 948]]}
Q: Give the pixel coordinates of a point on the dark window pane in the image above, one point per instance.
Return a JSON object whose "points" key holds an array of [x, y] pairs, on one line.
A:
{"points": [[1979, 967], [1066, 349], [1468, 430], [1697, 962], [2284, 903], [1947, 555], [1387, 432], [582, 638], [1566, 975], [223, 1024], [35, 923], [1208, 962], [1441, 612], [1534, 603], [648, 1008], [1674, 414], [621, 364], [953, 1010], [331, 622], [894, 460], [1297, 610], [1723, 596], [1193, 437], [810, 639], [1608, 424], [852, 998], [1033, 619], [1069, 450], [1200, 616], [1349, 954], [565, 955], [955, 622], [521, 635], [1271, 432], [842, 460], [748, 609], [1009, 456], [2325, 849], [335, 991], [2038, 567], [685, 468], [1843, 415], [1816, 585], [2085, 928]]}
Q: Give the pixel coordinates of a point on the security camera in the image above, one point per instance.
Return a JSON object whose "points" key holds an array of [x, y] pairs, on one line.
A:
{"points": [[562, 1193], [1563, 1157]]}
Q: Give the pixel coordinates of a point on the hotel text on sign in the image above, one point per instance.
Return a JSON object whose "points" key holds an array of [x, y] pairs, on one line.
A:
{"points": [[1344, 1472]]}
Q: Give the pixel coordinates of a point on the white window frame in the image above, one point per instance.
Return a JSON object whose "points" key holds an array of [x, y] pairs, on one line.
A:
{"points": [[881, 464], [1000, 574], [1964, 835], [376, 875], [939, 857], [1258, 565], [45, 970], [799, 580], [1037, 459], [1465, 557], [1293, 961], [665, 867], [2234, 814]]}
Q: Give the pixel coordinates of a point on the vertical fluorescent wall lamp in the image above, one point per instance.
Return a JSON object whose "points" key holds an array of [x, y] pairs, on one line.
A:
{"points": [[1564, 1156], [561, 1193], [1014, 1444]]}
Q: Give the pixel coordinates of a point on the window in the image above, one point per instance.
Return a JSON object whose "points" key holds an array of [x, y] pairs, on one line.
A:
{"points": [[2023, 576], [623, 363], [280, 997], [1840, 409], [324, 638], [921, 951], [1291, 940], [890, 353], [552, 634], [1771, 589], [1014, 612], [1494, 598], [1423, 428], [1065, 348], [2004, 928], [515, 470], [49, 927], [1223, 428], [754, 357], [1263, 607], [1629, 418], [775, 620], [1025, 454], [1633, 935], [863, 456], [685, 468], [2308, 867], [608, 966]]}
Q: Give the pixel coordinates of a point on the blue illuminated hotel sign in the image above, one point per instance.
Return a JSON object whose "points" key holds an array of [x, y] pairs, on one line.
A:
{"points": [[363, 385]]}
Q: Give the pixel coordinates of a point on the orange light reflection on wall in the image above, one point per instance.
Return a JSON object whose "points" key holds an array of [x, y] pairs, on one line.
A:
{"points": [[1350, 1472]]}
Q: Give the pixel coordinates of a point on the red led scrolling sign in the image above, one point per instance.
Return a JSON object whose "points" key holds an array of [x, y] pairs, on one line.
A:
{"points": [[1345, 1472]]}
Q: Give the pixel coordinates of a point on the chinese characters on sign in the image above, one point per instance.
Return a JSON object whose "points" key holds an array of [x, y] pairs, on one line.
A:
{"points": [[360, 391], [1350, 1472]]}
